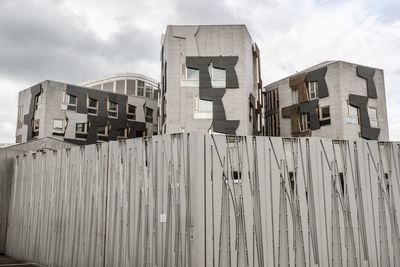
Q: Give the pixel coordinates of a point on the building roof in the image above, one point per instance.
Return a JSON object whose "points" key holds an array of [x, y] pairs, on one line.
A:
{"points": [[317, 66], [125, 75]]}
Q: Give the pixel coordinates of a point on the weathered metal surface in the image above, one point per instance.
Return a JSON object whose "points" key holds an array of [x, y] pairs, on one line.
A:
{"points": [[204, 200]]}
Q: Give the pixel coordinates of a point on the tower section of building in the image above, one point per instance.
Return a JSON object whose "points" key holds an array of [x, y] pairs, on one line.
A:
{"points": [[334, 99], [210, 80]]}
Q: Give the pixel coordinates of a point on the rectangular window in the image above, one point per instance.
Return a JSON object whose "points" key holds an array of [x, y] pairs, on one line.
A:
{"points": [[149, 115], [312, 88], [352, 114], [112, 109], [38, 100], [218, 76], [140, 88], [155, 93], [102, 131], [122, 133], [81, 128], [149, 91], [58, 124], [324, 116], [18, 139], [131, 112], [92, 106], [304, 122], [202, 109], [373, 117], [295, 95], [69, 102], [189, 77], [35, 127]]}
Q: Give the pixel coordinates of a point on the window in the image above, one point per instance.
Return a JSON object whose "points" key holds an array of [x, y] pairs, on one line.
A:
{"points": [[155, 93], [92, 105], [81, 128], [58, 127], [373, 117], [130, 87], [131, 112], [251, 112], [273, 124], [58, 124], [295, 95], [18, 139], [102, 130], [35, 127], [272, 101], [68, 101], [189, 77], [112, 109], [217, 76], [140, 88], [304, 122], [149, 91], [352, 114], [324, 116], [149, 115], [20, 118], [202, 109], [122, 133], [312, 88], [38, 100]]}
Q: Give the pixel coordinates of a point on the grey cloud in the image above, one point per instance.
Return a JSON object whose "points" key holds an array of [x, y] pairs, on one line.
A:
{"points": [[39, 43]]}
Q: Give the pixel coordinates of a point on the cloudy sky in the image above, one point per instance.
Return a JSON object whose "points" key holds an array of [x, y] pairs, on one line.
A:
{"points": [[76, 40]]}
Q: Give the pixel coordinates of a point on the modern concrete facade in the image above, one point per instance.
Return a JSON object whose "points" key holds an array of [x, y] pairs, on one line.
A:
{"points": [[210, 80], [334, 99], [82, 115]]}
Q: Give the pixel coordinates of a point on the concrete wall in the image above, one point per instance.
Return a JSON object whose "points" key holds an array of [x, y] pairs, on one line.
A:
{"points": [[174, 200], [208, 40]]}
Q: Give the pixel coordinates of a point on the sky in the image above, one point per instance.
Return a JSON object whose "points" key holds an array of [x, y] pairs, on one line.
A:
{"points": [[76, 40]]}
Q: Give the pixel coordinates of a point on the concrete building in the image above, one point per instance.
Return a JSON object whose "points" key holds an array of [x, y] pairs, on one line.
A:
{"points": [[82, 115], [334, 99], [210, 80]]}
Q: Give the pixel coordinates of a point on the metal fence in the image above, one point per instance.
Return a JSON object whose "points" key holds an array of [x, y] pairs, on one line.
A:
{"points": [[208, 200]]}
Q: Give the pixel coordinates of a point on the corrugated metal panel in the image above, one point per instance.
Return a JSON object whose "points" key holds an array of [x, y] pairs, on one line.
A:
{"points": [[204, 200]]}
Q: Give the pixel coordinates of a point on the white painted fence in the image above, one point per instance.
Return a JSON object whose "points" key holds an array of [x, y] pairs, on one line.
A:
{"points": [[203, 200]]}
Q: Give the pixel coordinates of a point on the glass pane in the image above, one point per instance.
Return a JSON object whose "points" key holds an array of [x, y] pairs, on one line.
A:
{"points": [[183, 71], [149, 112], [218, 74], [353, 111], [71, 99], [374, 123], [205, 106], [140, 83], [149, 90], [192, 74], [80, 127], [325, 112], [131, 109], [112, 106], [155, 92], [101, 130], [92, 103], [189, 83], [218, 83], [352, 120], [140, 91], [121, 132], [372, 113], [57, 124], [202, 115]]}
